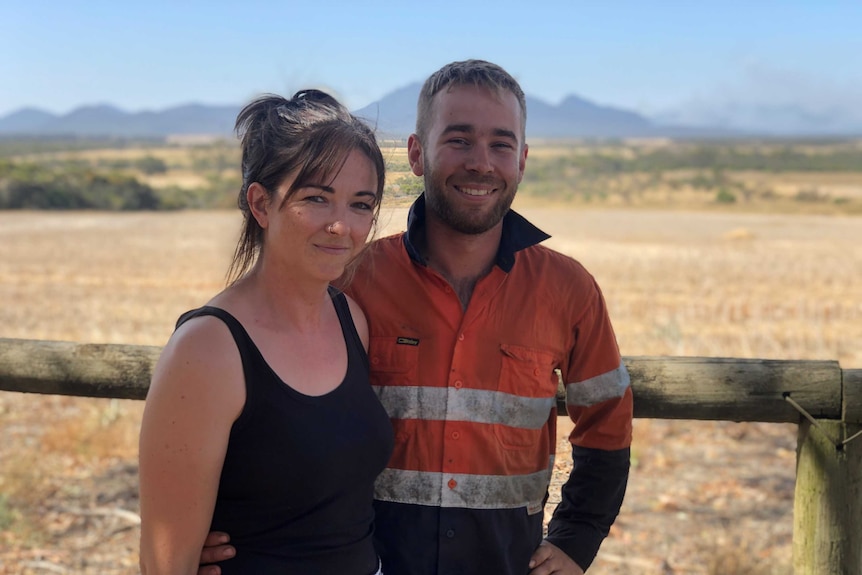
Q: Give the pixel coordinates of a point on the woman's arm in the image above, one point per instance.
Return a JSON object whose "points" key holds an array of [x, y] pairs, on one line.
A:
{"points": [[197, 392]]}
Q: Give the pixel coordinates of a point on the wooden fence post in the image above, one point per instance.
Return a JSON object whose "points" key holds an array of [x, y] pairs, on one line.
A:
{"points": [[827, 510]]}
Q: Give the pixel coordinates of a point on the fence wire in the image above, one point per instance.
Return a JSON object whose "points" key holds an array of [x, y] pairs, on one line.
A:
{"points": [[838, 443]]}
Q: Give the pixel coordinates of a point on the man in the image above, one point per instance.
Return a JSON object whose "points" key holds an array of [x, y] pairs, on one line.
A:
{"points": [[471, 320]]}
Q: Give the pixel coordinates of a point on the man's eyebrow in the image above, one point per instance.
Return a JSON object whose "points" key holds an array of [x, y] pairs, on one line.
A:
{"points": [[469, 129], [458, 128], [502, 133]]}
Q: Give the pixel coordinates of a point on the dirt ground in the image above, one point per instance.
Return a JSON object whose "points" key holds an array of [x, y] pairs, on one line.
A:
{"points": [[703, 497]]}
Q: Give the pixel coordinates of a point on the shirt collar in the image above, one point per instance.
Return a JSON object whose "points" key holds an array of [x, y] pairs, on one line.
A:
{"points": [[518, 234]]}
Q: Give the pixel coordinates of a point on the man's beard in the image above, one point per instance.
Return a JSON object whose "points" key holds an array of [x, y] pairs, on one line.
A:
{"points": [[462, 221]]}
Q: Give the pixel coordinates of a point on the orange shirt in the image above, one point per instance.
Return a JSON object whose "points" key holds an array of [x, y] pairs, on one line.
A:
{"points": [[471, 393]]}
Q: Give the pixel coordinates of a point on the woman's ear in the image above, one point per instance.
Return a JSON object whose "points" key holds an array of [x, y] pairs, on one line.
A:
{"points": [[258, 203]]}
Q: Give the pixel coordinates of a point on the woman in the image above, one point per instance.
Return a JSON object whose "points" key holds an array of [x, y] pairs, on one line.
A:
{"points": [[260, 420]]}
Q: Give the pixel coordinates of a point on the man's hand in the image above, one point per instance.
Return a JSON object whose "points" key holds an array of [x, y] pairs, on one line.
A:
{"points": [[549, 559], [216, 548]]}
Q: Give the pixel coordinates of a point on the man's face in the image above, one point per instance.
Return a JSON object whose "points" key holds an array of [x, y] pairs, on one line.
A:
{"points": [[473, 157]]}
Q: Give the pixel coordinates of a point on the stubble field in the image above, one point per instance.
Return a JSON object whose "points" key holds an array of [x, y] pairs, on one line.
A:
{"points": [[704, 497]]}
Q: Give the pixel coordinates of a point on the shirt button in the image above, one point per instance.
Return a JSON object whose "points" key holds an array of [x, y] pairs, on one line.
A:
{"points": [[375, 360], [459, 384], [450, 533], [456, 435], [461, 337], [452, 484], [536, 371]]}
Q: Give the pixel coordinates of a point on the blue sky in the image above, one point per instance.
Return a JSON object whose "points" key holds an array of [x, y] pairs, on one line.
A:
{"points": [[691, 57]]}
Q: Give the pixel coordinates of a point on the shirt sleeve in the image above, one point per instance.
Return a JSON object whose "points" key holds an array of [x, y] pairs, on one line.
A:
{"points": [[590, 502], [599, 402]]}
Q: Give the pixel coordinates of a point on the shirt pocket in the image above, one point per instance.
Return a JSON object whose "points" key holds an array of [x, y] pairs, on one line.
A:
{"points": [[527, 392], [393, 362]]}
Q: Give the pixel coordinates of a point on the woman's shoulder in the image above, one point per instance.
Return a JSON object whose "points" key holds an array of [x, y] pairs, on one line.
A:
{"points": [[199, 330], [200, 356]]}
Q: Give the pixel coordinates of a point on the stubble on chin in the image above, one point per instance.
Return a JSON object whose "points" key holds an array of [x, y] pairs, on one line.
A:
{"points": [[470, 222]]}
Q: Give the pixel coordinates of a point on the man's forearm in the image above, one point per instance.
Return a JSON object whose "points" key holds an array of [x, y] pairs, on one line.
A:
{"points": [[590, 502]]}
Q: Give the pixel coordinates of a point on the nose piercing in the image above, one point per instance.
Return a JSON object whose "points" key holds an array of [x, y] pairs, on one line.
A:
{"points": [[331, 229]]}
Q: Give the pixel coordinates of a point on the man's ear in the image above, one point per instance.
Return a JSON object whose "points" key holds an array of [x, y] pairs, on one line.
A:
{"points": [[258, 203], [414, 155], [522, 163]]}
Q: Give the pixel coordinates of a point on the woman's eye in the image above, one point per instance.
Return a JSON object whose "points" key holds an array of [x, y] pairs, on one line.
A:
{"points": [[315, 199]]}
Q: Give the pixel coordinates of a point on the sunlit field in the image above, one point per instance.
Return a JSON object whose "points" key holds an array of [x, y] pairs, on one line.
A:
{"points": [[704, 497]]}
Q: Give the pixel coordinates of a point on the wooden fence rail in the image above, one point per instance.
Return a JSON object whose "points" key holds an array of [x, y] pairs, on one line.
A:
{"points": [[821, 397]]}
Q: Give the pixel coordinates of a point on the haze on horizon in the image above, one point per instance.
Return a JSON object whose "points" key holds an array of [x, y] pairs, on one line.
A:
{"points": [[699, 63]]}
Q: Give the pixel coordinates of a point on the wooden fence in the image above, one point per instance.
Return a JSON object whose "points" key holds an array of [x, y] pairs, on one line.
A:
{"points": [[823, 399]]}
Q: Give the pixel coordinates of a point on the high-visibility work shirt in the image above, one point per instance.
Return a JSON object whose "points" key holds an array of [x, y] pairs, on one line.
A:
{"points": [[471, 394]]}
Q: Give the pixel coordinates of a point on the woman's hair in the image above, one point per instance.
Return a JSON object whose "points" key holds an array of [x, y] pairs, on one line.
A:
{"points": [[307, 137]]}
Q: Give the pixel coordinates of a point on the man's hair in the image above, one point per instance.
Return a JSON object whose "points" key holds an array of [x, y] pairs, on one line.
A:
{"points": [[469, 73]]}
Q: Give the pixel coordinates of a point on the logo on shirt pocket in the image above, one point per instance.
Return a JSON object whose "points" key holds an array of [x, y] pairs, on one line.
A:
{"points": [[393, 360]]}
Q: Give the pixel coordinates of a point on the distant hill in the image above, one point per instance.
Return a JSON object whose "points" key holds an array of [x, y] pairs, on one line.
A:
{"points": [[105, 120], [778, 119], [394, 116], [25, 121]]}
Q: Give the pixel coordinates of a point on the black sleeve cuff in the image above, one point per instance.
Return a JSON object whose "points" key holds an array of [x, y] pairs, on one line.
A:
{"points": [[590, 502], [581, 543]]}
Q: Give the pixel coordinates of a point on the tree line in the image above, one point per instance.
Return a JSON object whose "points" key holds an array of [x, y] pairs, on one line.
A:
{"points": [[731, 157], [25, 185], [78, 185], [28, 182]]}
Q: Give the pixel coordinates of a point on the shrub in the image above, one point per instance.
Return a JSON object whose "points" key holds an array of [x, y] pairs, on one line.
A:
{"points": [[724, 196], [406, 186], [151, 165]]}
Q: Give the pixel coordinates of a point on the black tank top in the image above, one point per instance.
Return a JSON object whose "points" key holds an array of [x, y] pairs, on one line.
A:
{"points": [[296, 488]]}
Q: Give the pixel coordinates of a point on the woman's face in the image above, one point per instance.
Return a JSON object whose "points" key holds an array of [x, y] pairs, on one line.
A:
{"points": [[323, 225]]}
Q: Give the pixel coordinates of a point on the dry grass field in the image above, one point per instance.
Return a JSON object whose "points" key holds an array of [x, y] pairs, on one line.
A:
{"points": [[704, 497]]}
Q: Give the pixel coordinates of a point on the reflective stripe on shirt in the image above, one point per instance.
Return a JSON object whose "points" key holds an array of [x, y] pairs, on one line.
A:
{"points": [[461, 490], [609, 385], [473, 405]]}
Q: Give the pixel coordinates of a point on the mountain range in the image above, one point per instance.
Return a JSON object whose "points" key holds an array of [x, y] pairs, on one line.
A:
{"points": [[394, 118]]}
